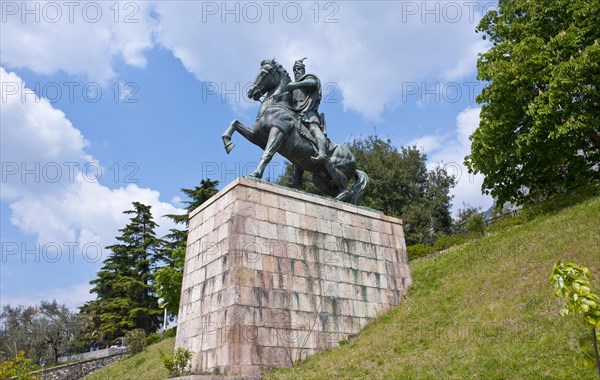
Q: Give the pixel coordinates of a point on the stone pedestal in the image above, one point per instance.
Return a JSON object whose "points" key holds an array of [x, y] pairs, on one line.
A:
{"points": [[273, 275]]}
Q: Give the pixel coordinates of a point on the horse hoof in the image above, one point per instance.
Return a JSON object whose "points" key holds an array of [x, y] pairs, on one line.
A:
{"points": [[254, 175], [229, 147]]}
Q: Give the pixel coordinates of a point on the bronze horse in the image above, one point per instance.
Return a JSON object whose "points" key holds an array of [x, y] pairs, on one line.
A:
{"points": [[279, 129]]}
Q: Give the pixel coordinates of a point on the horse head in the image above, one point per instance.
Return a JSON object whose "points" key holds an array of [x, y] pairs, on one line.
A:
{"points": [[269, 77]]}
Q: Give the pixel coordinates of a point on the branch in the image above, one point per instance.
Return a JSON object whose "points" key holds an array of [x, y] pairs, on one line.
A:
{"points": [[595, 138]]}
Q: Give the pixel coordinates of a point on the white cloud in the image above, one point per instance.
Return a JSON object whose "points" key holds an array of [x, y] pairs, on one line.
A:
{"points": [[426, 144], [33, 132], [83, 39], [54, 200], [465, 65], [372, 51], [450, 153], [85, 213]]}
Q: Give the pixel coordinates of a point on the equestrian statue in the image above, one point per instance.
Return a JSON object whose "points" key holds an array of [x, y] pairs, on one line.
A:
{"points": [[288, 123]]}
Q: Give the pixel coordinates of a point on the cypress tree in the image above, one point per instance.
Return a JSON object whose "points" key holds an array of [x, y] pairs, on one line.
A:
{"points": [[125, 285]]}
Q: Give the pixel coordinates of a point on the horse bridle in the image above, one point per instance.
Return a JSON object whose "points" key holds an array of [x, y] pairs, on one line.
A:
{"points": [[270, 75]]}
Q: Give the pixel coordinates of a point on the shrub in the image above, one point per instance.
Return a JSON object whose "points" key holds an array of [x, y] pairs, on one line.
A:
{"points": [[508, 222], [135, 341], [572, 283], [447, 241], [152, 338], [18, 368], [178, 364], [170, 333], [475, 224], [419, 250]]}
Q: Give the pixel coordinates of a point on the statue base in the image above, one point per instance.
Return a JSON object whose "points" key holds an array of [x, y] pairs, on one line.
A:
{"points": [[273, 275]]}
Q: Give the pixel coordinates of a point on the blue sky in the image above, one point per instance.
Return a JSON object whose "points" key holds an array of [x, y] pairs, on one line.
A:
{"points": [[106, 103]]}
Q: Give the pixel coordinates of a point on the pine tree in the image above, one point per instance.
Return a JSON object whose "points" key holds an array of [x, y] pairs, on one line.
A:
{"points": [[125, 285], [169, 277], [197, 195]]}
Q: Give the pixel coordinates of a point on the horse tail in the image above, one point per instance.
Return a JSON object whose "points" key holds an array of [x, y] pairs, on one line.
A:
{"points": [[361, 185]]}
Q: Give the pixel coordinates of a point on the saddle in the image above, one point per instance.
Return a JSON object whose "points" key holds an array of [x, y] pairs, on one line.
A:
{"points": [[302, 128]]}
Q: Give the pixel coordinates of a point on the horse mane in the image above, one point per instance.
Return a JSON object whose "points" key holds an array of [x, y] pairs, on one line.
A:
{"points": [[278, 67]]}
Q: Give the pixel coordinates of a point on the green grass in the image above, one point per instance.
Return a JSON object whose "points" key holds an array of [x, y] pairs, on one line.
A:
{"points": [[485, 310], [146, 365]]}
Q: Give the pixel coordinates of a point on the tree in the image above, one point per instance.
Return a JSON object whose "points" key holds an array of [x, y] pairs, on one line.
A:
{"points": [[197, 196], [125, 285], [402, 186], [462, 217], [540, 118], [18, 327], [169, 277], [41, 332], [55, 327], [438, 196]]}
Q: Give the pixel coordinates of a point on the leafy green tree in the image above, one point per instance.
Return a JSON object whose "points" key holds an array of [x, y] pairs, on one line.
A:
{"points": [[79, 325], [398, 177], [169, 277], [55, 327], [18, 327], [462, 216], [439, 199], [41, 332], [168, 280], [402, 186], [125, 285], [540, 119], [135, 341]]}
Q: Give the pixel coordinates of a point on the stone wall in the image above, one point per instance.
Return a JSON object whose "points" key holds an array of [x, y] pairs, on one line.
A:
{"points": [[273, 275], [78, 370], [92, 354]]}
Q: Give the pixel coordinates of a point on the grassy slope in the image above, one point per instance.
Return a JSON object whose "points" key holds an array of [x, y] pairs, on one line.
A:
{"points": [[485, 310], [146, 365]]}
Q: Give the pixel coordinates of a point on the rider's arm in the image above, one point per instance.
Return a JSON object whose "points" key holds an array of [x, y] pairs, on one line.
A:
{"points": [[306, 83]]}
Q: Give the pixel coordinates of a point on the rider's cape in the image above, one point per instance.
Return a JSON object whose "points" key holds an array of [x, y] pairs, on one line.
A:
{"points": [[306, 100]]}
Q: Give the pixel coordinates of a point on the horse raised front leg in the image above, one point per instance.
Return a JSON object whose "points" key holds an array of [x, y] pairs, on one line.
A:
{"points": [[276, 138], [227, 136]]}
